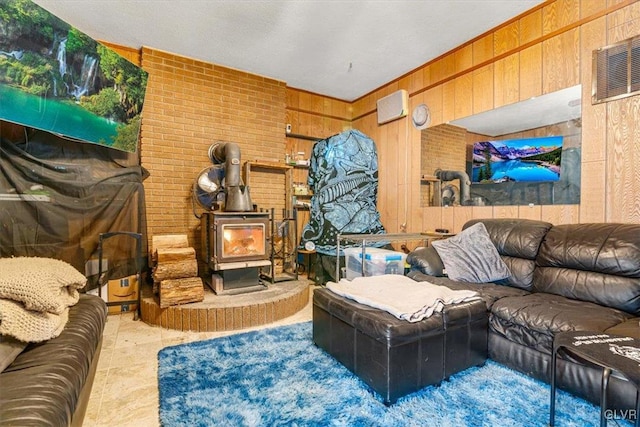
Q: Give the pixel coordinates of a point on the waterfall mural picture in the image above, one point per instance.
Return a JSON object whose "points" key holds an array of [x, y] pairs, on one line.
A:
{"points": [[56, 78]]}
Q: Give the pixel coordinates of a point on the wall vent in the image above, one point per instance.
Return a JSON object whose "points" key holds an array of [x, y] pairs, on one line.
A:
{"points": [[393, 106], [616, 71]]}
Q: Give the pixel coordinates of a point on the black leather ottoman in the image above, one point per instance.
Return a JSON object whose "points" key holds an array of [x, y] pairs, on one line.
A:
{"points": [[395, 357]]}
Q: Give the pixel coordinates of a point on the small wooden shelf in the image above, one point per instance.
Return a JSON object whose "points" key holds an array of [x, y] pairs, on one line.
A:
{"points": [[306, 137], [270, 165], [296, 166], [265, 164]]}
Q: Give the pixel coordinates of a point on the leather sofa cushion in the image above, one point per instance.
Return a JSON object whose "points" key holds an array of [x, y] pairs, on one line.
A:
{"points": [[533, 320], [42, 385], [599, 263], [518, 238], [521, 273], [489, 292], [426, 260], [629, 328], [518, 242]]}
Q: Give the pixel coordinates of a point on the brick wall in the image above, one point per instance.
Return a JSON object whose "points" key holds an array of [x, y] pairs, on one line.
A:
{"points": [[443, 147], [188, 106]]}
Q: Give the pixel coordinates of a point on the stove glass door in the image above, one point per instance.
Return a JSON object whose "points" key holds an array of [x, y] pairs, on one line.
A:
{"points": [[243, 240]]}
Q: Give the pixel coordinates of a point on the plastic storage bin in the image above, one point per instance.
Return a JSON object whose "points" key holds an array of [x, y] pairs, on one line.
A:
{"points": [[376, 262]]}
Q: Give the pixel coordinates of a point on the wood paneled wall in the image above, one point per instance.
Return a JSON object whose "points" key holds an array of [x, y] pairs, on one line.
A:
{"points": [[314, 117], [546, 49]]}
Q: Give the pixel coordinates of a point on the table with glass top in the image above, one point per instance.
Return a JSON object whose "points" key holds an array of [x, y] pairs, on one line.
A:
{"points": [[363, 239]]}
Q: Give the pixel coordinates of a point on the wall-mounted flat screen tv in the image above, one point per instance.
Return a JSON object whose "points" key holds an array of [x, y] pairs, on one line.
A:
{"points": [[56, 78], [517, 160]]}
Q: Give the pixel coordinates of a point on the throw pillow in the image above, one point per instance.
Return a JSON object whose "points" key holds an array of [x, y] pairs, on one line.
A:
{"points": [[10, 348], [41, 284], [471, 256]]}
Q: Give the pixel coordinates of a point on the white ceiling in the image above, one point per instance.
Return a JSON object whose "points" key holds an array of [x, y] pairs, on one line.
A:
{"points": [[339, 48]]}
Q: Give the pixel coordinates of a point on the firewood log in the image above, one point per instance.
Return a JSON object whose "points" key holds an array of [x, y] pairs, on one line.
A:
{"points": [[181, 291], [174, 254], [175, 270], [168, 241]]}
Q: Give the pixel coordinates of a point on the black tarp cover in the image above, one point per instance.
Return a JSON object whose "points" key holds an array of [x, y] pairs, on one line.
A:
{"points": [[57, 196]]}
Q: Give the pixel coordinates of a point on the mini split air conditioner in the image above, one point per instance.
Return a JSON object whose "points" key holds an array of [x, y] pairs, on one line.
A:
{"points": [[393, 106]]}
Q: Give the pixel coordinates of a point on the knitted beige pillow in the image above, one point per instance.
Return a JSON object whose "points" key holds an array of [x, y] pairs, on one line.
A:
{"points": [[40, 284], [30, 326]]}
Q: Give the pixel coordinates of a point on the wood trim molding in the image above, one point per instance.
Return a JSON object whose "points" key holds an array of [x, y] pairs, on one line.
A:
{"points": [[496, 58]]}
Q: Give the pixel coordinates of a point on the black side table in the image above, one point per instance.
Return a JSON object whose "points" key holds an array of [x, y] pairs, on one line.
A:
{"points": [[614, 353], [308, 267]]}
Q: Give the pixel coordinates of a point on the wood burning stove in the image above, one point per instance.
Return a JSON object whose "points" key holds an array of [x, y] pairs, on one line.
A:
{"points": [[234, 247]]}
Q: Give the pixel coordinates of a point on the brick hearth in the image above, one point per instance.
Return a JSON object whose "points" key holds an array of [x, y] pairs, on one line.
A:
{"points": [[228, 312]]}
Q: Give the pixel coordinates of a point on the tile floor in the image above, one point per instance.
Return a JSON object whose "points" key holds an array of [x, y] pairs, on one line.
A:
{"points": [[125, 389]]}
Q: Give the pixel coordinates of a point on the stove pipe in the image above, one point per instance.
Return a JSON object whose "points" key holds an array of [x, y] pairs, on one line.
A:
{"points": [[237, 196], [465, 183]]}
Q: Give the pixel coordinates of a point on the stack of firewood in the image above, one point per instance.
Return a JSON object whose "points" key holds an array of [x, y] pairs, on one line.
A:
{"points": [[175, 271]]}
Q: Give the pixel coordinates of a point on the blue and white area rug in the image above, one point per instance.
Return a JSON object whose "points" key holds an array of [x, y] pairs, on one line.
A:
{"points": [[278, 377]]}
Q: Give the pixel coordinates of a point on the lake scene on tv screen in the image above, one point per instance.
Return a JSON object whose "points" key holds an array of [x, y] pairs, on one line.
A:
{"points": [[517, 160]]}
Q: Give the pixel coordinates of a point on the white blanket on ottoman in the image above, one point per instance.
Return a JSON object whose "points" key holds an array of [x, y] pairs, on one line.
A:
{"points": [[401, 296]]}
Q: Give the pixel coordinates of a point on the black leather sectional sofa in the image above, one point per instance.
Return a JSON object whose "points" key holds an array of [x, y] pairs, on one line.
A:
{"points": [[577, 277]]}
